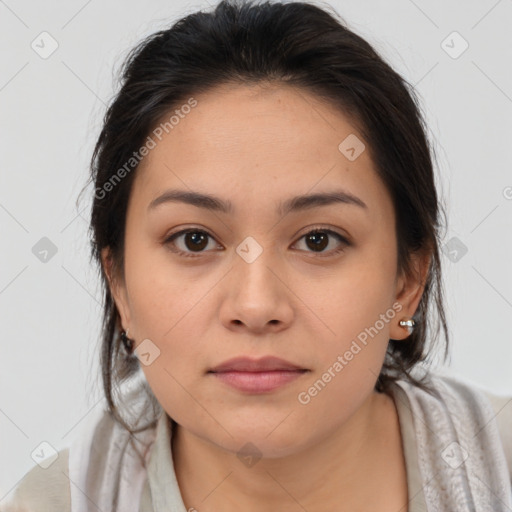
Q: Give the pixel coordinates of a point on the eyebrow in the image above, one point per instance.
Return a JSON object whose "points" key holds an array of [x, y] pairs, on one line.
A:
{"points": [[294, 204]]}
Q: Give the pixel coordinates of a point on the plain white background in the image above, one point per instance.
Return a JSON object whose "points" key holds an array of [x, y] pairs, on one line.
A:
{"points": [[51, 115]]}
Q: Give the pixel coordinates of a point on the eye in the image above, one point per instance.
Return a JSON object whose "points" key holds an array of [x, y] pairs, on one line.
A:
{"points": [[194, 241], [189, 241], [318, 240]]}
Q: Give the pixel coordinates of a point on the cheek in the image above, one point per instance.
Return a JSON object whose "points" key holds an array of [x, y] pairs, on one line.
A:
{"points": [[352, 357], [353, 298], [177, 372], [161, 293], [164, 304], [356, 314]]}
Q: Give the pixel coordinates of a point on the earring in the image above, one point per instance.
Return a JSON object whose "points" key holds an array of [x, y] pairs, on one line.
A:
{"points": [[127, 342], [408, 323]]}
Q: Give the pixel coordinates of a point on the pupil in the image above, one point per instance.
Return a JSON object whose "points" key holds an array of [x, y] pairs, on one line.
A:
{"points": [[319, 240], [196, 237]]}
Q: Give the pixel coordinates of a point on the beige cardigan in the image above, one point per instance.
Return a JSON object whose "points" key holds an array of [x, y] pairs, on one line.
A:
{"points": [[48, 490]]}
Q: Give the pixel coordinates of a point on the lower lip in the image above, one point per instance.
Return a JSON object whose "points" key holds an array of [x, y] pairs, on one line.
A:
{"points": [[258, 382]]}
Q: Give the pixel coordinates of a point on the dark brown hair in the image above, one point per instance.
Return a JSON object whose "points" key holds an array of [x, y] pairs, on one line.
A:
{"points": [[306, 47]]}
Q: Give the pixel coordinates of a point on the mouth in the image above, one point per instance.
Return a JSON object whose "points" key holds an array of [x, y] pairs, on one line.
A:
{"points": [[257, 376], [258, 382], [263, 364]]}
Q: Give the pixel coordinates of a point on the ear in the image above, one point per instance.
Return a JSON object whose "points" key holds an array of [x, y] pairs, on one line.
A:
{"points": [[409, 290], [117, 288]]}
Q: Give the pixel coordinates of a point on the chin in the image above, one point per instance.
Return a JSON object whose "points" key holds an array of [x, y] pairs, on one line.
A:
{"points": [[259, 440]]}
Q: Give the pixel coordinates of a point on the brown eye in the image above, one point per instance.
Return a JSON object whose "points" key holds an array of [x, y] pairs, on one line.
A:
{"points": [[191, 241], [319, 239], [196, 240]]}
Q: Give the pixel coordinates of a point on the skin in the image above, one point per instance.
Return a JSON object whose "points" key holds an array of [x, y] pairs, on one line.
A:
{"points": [[255, 147]]}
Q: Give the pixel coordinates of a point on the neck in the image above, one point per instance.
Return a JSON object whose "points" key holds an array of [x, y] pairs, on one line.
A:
{"points": [[352, 468]]}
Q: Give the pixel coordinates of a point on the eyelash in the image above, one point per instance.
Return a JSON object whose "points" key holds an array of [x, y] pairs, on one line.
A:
{"points": [[170, 241]]}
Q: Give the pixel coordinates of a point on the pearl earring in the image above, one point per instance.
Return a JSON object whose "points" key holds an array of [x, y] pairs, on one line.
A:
{"points": [[408, 324]]}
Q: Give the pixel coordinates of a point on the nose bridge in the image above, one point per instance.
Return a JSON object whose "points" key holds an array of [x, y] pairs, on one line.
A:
{"points": [[252, 267], [256, 296]]}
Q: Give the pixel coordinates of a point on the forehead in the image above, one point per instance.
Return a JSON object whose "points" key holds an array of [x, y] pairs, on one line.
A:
{"points": [[269, 142]]}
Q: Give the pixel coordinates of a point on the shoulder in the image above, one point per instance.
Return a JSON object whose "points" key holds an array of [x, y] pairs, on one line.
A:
{"points": [[502, 406], [501, 403], [49, 489], [96, 452], [473, 395], [43, 490]]}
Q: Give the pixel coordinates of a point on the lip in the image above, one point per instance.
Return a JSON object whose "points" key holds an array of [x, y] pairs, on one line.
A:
{"points": [[263, 364], [258, 382], [257, 375]]}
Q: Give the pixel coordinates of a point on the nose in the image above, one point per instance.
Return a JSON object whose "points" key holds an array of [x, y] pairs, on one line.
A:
{"points": [[257, 298]]}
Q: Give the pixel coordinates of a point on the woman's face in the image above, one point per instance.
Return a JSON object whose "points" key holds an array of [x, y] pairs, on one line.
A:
{"points": [[249, 281]]}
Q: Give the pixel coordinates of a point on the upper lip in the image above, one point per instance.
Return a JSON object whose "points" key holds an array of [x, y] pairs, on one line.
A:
{"points": [[247, 364]]}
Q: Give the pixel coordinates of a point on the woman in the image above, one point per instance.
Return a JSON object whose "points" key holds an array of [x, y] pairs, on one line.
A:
{"points": [[267, 228]]}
